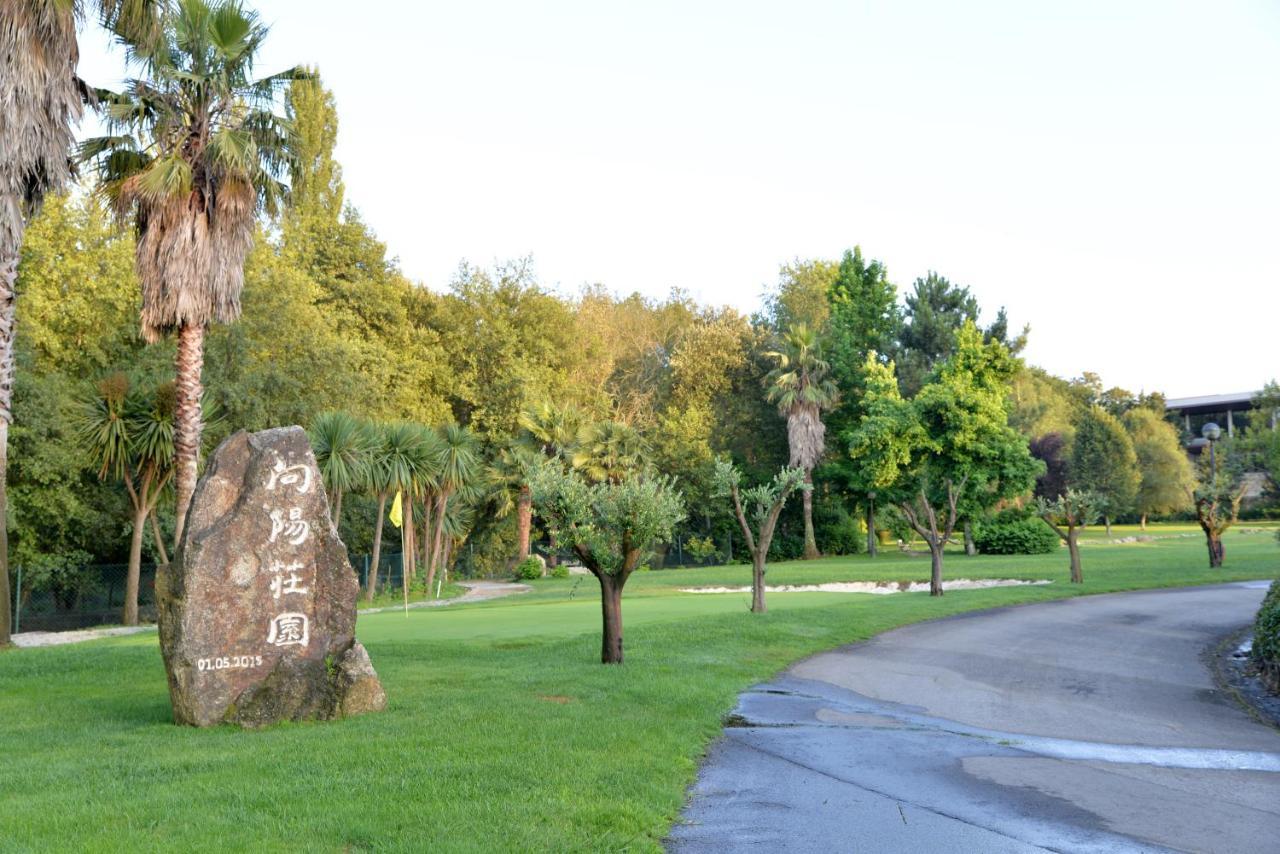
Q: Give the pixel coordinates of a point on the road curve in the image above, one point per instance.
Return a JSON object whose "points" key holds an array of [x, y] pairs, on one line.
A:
{"points": [[1087, 724]]}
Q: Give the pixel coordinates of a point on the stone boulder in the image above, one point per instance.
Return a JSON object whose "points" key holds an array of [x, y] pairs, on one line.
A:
{"points": [[257, 611]]}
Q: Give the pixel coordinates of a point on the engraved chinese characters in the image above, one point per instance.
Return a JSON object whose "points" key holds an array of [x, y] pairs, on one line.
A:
{"points": [[257, 611]]}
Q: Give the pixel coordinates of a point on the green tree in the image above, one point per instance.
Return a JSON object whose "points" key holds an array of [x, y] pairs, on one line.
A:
{"points": [[764, 503], [1218, 491], [864, 319], [1103, 461], [1068, 514], [610, 526], [129, 436], [459, 477], [42, 100], [195, 151], [882, 443], [342, 444], [801, 389], [800, 296], [1166, 475]]}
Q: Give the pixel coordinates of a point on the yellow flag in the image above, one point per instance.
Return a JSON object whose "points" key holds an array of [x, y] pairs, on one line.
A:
{"points": [[397, 514]]}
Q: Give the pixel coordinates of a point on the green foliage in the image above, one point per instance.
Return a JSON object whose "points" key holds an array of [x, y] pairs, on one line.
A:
{"points": [[701, 549], [1266, 636], [1103, 461], [1165, 476], [342, 444], [1014, 532], [801, 296], [530, 569], [610, 524], [560, 571]]}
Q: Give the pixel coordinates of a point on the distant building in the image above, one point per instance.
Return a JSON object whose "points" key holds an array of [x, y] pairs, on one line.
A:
{"points": [[1231, 412]]}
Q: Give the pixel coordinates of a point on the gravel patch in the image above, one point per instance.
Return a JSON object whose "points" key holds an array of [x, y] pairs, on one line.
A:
{"points": [[875, 587]]}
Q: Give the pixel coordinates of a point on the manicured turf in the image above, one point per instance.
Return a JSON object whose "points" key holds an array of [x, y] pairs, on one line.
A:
{"points": [[503, 731]]}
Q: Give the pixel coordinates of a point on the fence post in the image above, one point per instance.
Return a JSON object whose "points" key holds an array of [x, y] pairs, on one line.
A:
{"points": [[17, 603]]}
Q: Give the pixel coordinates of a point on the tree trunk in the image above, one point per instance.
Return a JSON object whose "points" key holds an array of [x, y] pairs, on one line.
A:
{"points": [[162, 554], [969, 548], [407, 547], [611, 609], [133, 576], [810, 543], [337, 507], [524, 522], [1073, 546], [757, 583], [935, 555], [186, 421], [12, 236], [437, 540], [1216, 551], [372, 581], [872, 540], [1143, 522], [553, 560], [1107, 521]]}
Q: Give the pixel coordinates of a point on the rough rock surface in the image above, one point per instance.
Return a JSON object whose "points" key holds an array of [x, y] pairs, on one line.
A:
{"points": [[258, 609]]}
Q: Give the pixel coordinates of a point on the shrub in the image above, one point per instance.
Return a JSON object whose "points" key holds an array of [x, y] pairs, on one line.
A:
{"points": [[1014, 532], [560, 570], [700, 548], [529, 569], [1266, 638]]}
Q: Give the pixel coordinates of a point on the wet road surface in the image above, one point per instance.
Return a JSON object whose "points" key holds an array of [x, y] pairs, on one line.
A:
{"points": [[1089, 724]]}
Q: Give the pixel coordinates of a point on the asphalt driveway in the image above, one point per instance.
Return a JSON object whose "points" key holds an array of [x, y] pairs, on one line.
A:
{"points": [[1089, 724]]}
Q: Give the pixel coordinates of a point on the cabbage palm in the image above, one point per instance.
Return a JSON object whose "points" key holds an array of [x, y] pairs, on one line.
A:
{"points": [[129, 436], [459, 463], [195, 151], [342, 444], [379, 481], [799, 386], [408, 457], [40, 104]]}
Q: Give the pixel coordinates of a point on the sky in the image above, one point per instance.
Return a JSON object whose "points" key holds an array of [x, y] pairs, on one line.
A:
{"points": [[1108, 171]]}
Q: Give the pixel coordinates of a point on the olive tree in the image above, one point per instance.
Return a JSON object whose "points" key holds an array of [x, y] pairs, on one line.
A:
{"points": [[1067, 515], [611, 526], [764, 503]]}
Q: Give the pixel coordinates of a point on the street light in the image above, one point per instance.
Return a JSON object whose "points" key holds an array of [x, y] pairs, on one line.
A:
{"points": [[1212, 433]]}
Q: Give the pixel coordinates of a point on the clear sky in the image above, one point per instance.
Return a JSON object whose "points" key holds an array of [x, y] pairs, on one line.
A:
{"points": [[1109, 171]]}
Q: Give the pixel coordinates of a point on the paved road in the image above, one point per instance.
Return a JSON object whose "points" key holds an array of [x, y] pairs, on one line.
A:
{"points": [[1089, 724]]}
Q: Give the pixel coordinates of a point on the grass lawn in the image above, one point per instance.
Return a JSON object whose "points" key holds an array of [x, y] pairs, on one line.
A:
{"points": [[503, 732]]}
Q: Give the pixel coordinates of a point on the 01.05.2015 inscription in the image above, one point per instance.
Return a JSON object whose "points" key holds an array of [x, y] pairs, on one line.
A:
{"points": [[228, 662]]}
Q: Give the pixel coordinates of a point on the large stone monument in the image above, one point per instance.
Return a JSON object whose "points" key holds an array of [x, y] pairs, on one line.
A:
{"points": [[258, 609]]}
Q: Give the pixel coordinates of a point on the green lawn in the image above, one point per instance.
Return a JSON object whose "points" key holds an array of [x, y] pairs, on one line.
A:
{"points": [[503, 733]]}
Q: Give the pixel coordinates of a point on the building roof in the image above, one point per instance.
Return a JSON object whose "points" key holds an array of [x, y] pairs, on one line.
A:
{"points": [[1240, 400]]}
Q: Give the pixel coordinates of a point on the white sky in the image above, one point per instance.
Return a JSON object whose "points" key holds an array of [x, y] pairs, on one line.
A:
{"points": [[1110, 171]]}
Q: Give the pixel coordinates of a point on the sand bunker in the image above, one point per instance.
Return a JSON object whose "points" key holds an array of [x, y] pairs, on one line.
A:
{"points": [[876, 587]]}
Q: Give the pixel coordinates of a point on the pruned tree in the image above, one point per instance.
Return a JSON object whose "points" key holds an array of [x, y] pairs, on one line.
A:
{"points": [[611, 526], [1217, 494], [760, 505], [1068, 514]]}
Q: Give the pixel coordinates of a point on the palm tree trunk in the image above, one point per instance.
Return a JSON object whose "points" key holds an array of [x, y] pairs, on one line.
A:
{"points": [[186, 420], [524, 522], [11, 234], [133, 576], [810, 543], [161, 552], [407, 548], [337, 507], [437, 543], [372, 581]]}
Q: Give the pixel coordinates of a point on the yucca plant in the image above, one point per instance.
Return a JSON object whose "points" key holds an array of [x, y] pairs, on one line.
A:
{"points": [[459, 469], [195, 151], [800, 388], [342, 444], [129, 437]]}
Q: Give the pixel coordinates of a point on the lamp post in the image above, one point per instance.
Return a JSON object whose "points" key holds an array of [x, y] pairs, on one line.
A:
{"points": [[1212, 433]]}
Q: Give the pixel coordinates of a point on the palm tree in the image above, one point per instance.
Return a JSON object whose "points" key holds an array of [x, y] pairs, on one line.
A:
{"points": [[130, 437], [342, 444], [801, 390], [459, 470], [379, 481], [40, 104], [609, 452], [408, 455], [508, 475], [195, 151]]}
